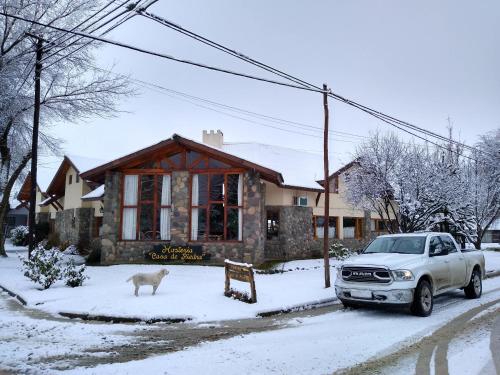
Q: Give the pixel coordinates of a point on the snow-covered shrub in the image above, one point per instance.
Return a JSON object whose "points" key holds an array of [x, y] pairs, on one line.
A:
{"points": [[74, 275], [339, 252], [19, 235], [44, 266], [71, 250]]}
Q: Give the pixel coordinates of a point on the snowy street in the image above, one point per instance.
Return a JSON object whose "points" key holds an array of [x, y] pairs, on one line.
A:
{"points": [[320, 341]]}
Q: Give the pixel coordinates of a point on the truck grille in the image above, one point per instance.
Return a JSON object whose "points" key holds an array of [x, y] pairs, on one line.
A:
{"points": [[366, 275]]}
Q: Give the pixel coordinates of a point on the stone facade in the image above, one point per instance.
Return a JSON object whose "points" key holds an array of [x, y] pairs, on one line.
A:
{"points": [[295, 240], [110, 229], [251, 249], [42, 217], [75, 225]]}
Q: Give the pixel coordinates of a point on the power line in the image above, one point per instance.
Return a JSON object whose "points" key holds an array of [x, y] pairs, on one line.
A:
{"points": [[164, 90], [390, 120], [161, 55]]}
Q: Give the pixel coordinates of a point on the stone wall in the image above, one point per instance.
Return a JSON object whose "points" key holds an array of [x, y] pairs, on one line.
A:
{"points": [[179, 232], [250, 250], [75, 225], [110, 229], [42, 217], [295, 234]]}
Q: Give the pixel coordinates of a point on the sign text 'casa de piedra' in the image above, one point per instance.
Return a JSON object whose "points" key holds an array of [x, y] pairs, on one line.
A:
{"points": [[169, 253]]}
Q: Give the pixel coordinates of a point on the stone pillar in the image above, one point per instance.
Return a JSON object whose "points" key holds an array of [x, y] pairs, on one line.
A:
{"points": [[180, 208], [253, 205], [111, 219]]}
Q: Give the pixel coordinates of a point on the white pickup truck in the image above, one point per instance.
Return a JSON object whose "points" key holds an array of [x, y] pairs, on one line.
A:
{"points": [[409, 270]]}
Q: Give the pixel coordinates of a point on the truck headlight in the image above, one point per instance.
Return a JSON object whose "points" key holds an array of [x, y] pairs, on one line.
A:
{"points": [[402, 275], [339, 271]]}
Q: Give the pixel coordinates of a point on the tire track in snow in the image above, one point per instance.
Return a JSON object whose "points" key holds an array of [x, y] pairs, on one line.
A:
{"points": [[495, 344], [426, 346]]}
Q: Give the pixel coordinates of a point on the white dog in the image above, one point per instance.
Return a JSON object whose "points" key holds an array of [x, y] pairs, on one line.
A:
{"points": [[153, 279]]}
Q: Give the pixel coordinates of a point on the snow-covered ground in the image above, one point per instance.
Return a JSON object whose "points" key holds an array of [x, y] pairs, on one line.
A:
{"points": [[25, 339], [317, 345], [188, 292], [194, 292]]}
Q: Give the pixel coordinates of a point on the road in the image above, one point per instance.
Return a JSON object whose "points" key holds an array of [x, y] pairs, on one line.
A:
{"points": [[35, 342]]}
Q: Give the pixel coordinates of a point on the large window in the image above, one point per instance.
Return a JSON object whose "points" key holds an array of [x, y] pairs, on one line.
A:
{"points": [[216, 207], [146, 207], [319, 226]]}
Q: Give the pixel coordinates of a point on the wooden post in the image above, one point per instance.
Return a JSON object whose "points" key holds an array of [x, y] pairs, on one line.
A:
{"points": [[34, 146], [326, 186]]}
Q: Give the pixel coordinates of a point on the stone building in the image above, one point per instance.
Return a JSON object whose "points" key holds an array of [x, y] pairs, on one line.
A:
{"points": [[212, 199], [215, 200]]}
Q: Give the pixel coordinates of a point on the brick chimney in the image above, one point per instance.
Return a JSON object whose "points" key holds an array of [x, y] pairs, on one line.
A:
{"points": [[212, 138]]}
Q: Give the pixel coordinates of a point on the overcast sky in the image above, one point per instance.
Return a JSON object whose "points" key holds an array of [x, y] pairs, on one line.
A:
{"points": [[422, 61]]}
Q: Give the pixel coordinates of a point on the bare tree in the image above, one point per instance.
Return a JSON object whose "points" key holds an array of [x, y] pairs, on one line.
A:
{"points": [[72, 87]]}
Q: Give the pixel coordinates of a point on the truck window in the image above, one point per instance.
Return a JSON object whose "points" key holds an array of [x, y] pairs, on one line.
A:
{"points": [[435, 246], [400, 245], [448, 244]]}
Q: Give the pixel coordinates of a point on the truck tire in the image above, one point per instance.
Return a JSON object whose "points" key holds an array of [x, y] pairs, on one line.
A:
{"points": [[348, 305], [423, 300], [475, 287]]}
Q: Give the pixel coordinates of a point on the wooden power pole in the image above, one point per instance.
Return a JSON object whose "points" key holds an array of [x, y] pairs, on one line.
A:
{"points": [[34, 144], [326, 186]]}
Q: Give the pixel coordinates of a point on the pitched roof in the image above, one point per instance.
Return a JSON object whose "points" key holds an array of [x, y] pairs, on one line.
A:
{"points": [[79, 163], [95, 194], [299, 169], [98, 174]]}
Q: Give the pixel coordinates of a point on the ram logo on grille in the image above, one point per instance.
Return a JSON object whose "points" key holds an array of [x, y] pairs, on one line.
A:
{"points": [[358, 273]]}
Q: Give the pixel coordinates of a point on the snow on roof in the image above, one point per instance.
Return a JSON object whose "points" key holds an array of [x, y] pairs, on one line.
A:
{"points": [[45, 201], [84, 163], [298, 168], [95, 194]]}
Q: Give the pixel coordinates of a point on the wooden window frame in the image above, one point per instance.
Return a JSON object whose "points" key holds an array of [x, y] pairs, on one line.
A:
{"points": [[206, 207], [157, 206]]}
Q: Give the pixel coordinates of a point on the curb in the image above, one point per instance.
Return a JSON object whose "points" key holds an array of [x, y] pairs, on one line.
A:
{"points": [[304, 306], [492, 274], [16, 296], [115, 319]]}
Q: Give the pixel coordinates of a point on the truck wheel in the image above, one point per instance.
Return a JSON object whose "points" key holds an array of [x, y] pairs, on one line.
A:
{"points": [[349, 304], [475, 286], [423, 300]]}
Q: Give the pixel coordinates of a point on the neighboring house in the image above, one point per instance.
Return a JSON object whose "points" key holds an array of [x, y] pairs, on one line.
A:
{"points": [[78, 216], [244, 201], [492, 235], [72, 206], [15, 217]]}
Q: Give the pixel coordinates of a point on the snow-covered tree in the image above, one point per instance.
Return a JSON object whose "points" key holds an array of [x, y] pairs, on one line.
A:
{"points": [[413, 186], [483, 182], [72, 87]]}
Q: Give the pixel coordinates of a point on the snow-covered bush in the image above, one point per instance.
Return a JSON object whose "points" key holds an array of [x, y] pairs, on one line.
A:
{"points": [[44, 266], [19, 235], [74, 275], [339, 252]]}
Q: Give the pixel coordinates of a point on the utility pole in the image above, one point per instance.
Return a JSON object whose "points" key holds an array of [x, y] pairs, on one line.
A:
{"points": [[34, 143], [326, 186]]}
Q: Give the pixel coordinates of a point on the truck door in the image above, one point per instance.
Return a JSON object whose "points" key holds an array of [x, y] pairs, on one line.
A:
{"points": [[439, 264], [458, 266]]}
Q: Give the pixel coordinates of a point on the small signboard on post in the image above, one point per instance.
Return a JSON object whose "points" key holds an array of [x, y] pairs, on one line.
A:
{"points": [[241, 272]]}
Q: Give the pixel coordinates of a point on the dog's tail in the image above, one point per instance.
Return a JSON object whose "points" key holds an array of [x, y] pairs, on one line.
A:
{"points": [[130, 278]]}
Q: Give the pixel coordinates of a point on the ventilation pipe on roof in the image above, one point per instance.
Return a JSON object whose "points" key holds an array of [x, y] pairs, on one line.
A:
{"points": [[212, 138]]}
